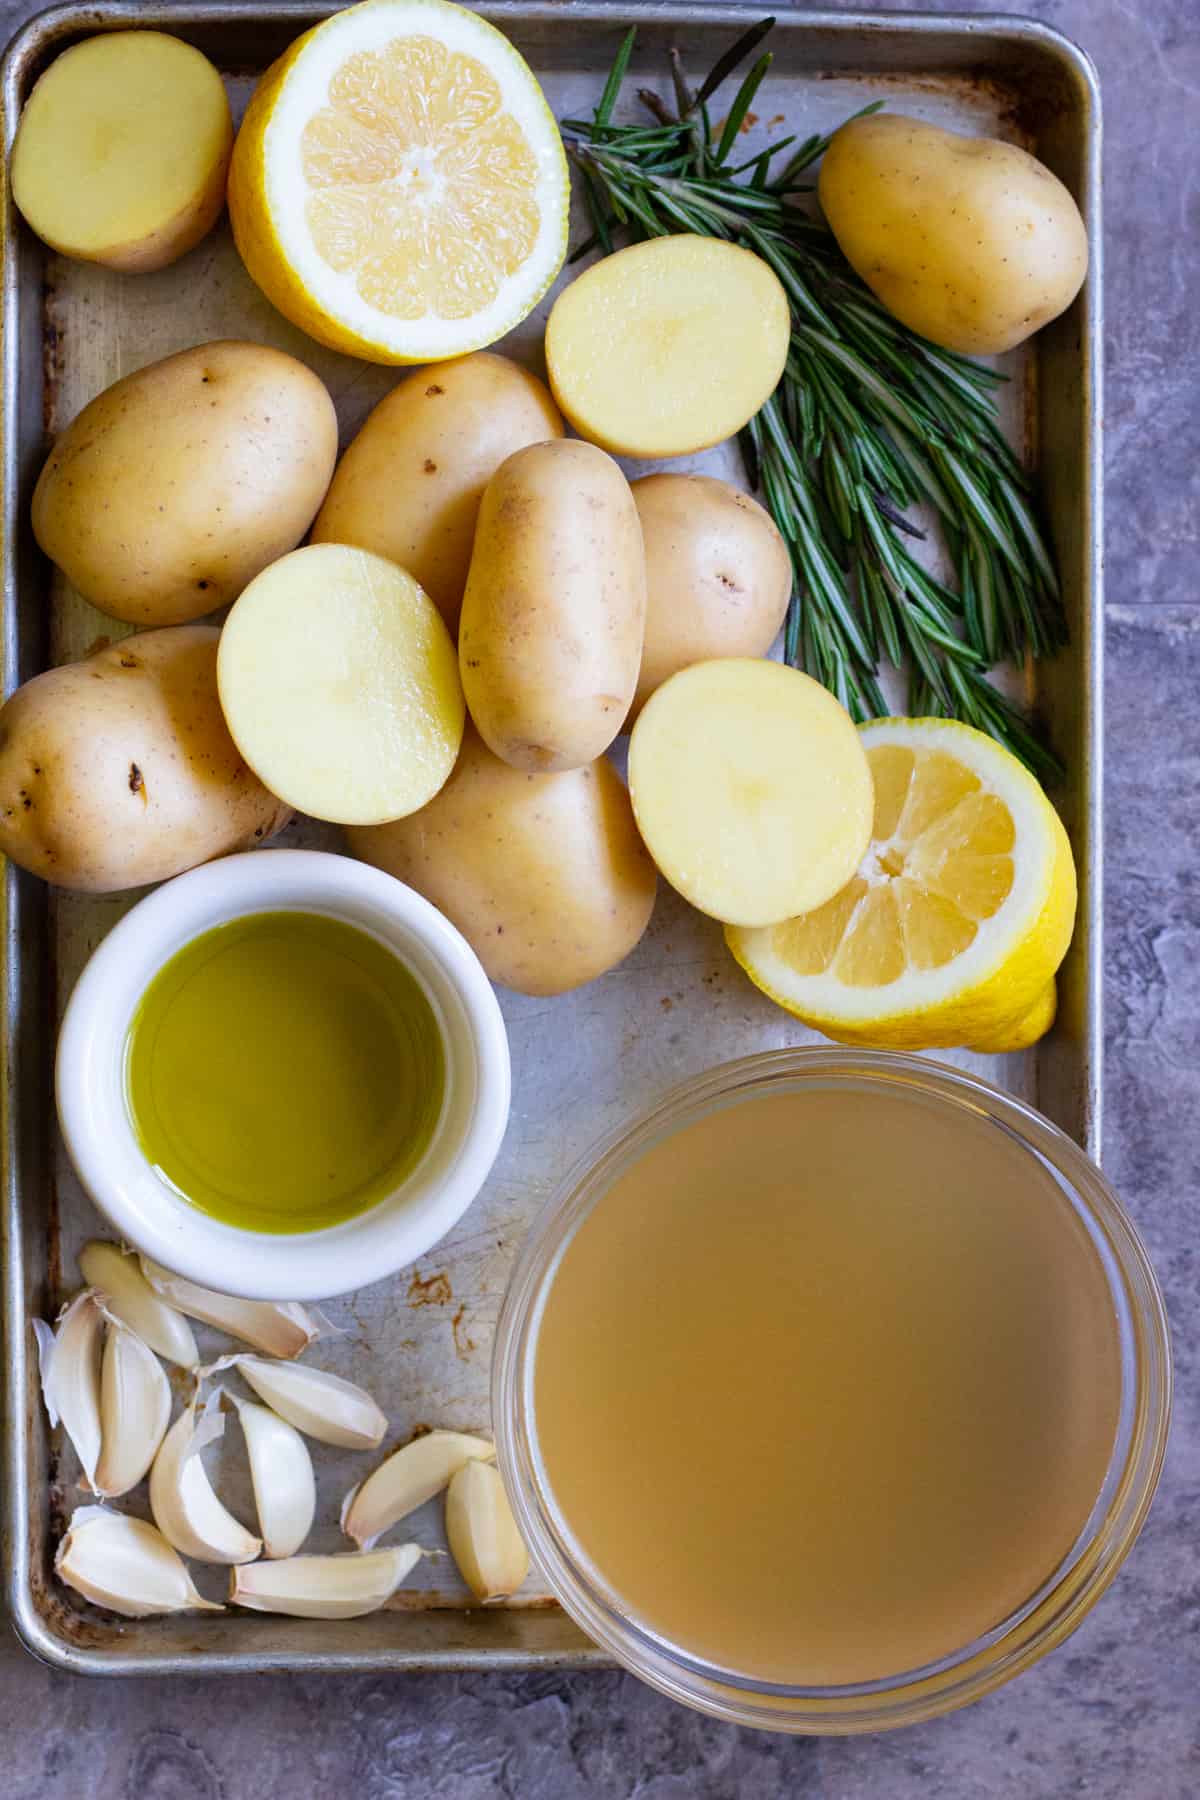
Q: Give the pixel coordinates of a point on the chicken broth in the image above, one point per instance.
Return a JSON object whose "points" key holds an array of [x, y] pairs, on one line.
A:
{"points": [[826, 1385]]}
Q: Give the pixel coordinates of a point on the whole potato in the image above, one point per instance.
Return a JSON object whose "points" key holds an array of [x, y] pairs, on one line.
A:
{"points": [[544, 875], [409, 485], [178, 484], [718, 575], [119, 770], [550, 639], [969, 241]]}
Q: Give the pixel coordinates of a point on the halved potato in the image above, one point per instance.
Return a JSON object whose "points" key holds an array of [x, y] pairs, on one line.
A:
{"points": [[669, 346], [751, 789], [340, 685], [122, 150]]}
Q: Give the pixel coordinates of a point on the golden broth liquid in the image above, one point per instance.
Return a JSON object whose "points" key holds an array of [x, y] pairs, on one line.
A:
{"points": [[284, 1072], [826, 1385]]}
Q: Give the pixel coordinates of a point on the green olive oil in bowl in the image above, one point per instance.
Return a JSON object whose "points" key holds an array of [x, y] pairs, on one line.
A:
{"points": [[284, 1072]]}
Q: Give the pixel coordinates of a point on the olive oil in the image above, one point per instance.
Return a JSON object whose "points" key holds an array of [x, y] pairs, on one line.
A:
{"points": [[284, 1072], [826, 1384]]}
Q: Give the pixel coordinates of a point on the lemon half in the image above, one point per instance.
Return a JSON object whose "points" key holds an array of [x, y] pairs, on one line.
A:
{"points": [[398, 186], [958, 916]]}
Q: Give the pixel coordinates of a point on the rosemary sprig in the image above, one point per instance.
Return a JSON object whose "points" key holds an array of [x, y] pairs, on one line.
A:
{"points": [[868, 421]]}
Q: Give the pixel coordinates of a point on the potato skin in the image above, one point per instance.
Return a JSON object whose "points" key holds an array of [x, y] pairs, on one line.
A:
{"points": [[718, 575], [969, 241], [410, 484], [544, 875], [119, 770], [550, 640], [174, 487]]}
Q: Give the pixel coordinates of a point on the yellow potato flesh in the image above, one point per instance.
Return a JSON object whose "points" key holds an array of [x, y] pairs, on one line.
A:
{"points": [[340, 685], [751, 789], [971, 242], [667, 347], [122, 150]]}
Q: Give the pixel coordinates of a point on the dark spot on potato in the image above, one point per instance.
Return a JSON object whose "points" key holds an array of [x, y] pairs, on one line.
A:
{"points": [[433, 389], [472, 662], [258, 831], [135, 779], [130, 662], [430, 466], [203, 586]]}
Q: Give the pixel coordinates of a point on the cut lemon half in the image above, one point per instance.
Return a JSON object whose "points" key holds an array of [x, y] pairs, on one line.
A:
{"points": [[958, 916], [398, 186]]}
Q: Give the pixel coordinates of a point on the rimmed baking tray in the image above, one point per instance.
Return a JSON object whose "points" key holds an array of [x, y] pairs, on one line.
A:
{"points": [[581, 1063]]}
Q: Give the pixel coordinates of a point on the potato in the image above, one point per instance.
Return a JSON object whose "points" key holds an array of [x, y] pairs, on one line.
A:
{"points": [[176, 485], [340, 685], [550, 639], [751, 789], [122, 150], [410, 483], [544, 875], [969, 241], [718, 575], [119, 770], [669, 346]]}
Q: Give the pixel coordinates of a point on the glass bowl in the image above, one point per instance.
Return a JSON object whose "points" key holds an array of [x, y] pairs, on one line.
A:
{"points": [[1048, 1615]]}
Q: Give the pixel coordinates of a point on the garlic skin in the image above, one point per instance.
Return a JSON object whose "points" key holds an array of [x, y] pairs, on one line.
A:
{"points": [[135, 1407], [285, 1489], [325, 1587], [319, 1404], [185, 1508], [483, 1536], [70, 1367], [118, 1275], [406, 1480], [279, 1327], [125, 1565]]}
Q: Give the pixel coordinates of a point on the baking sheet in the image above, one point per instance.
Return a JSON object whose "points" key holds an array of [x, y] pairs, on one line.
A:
{"points": [[581, 1063]]}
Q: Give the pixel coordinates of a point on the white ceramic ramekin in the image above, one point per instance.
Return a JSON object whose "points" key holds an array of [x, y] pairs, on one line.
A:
{"points": [[94, 1114]]}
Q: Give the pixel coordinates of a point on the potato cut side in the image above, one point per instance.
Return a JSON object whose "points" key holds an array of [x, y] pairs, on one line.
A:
{"points": [[122, 150], [751, 789], [340, 686], [669, 346]]}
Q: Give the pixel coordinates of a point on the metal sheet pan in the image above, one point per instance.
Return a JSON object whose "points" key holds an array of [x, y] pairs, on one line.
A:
{"points": [[581, 1064]]}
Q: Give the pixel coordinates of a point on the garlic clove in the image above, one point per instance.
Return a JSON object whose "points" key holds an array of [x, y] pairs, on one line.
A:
{"points": [[483, 1536], [135, 1407], [70, 1368], [125, 1565], [278, 1327], [127, 1293], [319, 1404], [185, 1508], [325, 1587], [285, 1490], [406, 1480]]}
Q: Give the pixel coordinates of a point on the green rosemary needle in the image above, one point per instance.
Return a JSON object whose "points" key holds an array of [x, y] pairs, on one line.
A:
{"points": [[868, 421]]}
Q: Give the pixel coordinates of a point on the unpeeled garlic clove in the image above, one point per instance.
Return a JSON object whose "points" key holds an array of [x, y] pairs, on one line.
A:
{"points": [[325, 1587], [407, 1479], [185, 1508], [278, 1327], [319, 1404], [285, 1490], [135, 1407], [483, 1536], [127, 1293], [70, 1366], [125, 1565]]}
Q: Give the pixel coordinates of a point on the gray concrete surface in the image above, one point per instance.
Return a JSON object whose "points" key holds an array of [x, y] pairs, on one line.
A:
{"points": [[1115, 1714]]}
